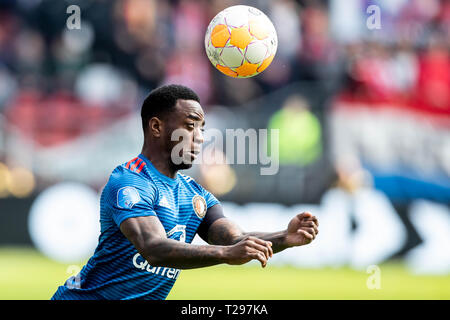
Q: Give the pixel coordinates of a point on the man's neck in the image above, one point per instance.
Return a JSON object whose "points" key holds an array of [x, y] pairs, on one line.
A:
{"points": [[160, 160]]}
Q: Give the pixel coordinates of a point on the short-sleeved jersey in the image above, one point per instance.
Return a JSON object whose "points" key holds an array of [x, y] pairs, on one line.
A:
{"points": [[116, 270]]}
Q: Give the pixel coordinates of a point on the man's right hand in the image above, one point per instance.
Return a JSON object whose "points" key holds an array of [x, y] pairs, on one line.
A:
{"points": [[248, 249]]}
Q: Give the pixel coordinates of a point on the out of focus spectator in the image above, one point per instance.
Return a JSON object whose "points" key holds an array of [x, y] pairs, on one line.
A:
{"points": [[57, 84]]}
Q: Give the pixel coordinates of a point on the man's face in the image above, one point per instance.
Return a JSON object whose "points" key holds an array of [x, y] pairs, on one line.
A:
{"points": [[183, 133]]}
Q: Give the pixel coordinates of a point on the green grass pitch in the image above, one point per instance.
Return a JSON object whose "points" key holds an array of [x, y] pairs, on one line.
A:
{"points": [[26, 274]]}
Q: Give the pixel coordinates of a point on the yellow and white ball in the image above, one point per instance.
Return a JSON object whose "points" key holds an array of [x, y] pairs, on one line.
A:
{"points": [[241, 41]]}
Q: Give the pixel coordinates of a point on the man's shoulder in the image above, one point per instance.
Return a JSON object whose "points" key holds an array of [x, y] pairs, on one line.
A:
{"points": [[122, 176], [125, 188]]}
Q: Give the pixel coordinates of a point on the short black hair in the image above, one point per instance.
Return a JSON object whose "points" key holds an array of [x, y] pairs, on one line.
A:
{"points": [[161, 100]]}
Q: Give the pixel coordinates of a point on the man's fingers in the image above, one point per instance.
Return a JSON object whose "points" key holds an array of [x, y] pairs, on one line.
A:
{"points": [[259, 256], [310, 231], [266, 244], [306, 234], [310, 224], [258, 240], [262, 248], [313, 218], [304, 215], [263, 259]]}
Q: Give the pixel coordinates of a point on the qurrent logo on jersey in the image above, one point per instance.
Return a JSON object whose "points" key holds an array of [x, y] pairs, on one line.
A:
{"points": [[142, 264]]}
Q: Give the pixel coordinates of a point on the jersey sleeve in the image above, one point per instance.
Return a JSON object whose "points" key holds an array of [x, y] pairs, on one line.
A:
{"points": [[210, 199], [214, 213], [130, 196]]}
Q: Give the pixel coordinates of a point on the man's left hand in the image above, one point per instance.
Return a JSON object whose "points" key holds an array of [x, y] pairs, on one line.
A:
{"points": [[302, 229]]}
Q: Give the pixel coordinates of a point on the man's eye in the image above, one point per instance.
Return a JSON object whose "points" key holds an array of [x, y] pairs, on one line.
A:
{"points": [[190, 125]]}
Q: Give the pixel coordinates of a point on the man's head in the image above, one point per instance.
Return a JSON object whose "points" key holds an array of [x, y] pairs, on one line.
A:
{"points": [[173, 120]]}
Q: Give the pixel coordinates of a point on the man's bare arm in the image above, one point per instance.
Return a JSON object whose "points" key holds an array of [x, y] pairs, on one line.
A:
{"points": [[226, 232], [301, 230], [149, 237]]}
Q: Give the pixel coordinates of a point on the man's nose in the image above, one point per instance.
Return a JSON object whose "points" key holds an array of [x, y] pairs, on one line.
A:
{"points": [[198, 136]]}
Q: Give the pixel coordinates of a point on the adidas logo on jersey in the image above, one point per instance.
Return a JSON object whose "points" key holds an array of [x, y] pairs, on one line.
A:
{"points": [[164, 203]]}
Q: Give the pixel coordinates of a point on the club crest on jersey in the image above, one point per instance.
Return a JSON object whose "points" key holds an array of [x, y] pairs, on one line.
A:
{"points": [[127, 197], [199, 205]]}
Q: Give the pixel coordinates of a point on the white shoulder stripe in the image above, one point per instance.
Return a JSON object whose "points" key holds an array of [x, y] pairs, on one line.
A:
{"points": [[187, 178]]}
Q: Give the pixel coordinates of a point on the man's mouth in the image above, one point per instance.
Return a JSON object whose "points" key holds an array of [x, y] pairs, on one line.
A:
{"points": [[194, 153], [194, 150]]}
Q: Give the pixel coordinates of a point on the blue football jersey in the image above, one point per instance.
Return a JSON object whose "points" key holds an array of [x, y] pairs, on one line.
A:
{"points": [[116, 270]]}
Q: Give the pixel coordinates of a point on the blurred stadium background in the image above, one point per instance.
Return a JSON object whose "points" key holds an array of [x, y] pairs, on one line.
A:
{"points": [[364, 141]]}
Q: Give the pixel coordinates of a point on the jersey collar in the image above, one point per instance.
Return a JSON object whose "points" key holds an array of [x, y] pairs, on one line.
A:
{"points": [[151, 167]]}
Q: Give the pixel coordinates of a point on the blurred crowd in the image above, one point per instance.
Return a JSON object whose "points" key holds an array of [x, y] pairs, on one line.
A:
{"points": [[56, 82], [408, 60]]}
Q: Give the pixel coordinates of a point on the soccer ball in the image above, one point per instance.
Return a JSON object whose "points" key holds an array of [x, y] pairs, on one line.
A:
{"points": [[241, 41]]}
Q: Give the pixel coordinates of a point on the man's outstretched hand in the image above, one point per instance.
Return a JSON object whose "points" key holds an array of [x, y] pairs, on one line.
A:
{"points": [[301, 230], [250, 248]]}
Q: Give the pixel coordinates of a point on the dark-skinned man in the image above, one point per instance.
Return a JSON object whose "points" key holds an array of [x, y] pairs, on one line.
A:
{"points": [[150, 213]]}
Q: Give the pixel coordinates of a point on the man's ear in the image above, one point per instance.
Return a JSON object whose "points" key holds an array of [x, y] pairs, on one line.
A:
{"points": [[156, 126]]}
